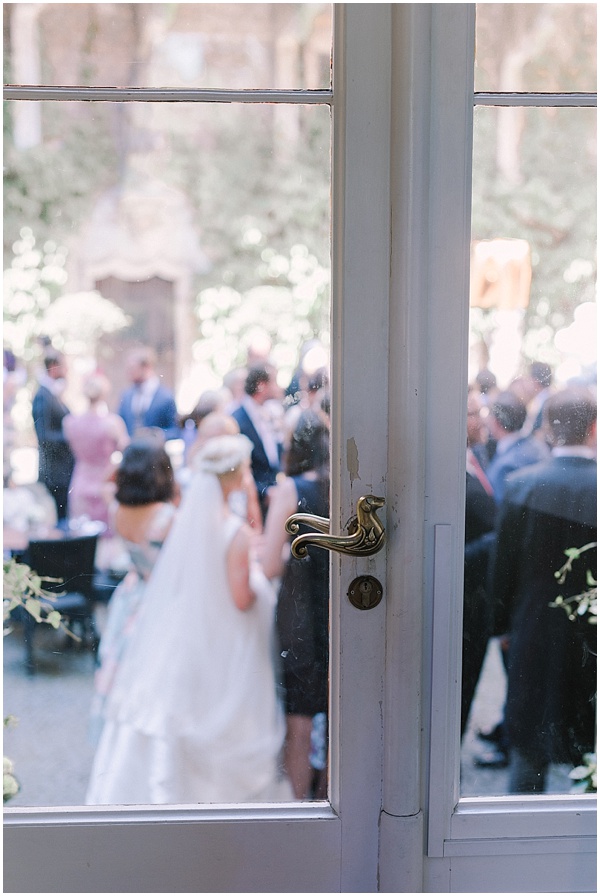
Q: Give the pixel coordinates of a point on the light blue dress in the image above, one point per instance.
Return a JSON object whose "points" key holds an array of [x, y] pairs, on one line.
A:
{"points": [[123, 610]]}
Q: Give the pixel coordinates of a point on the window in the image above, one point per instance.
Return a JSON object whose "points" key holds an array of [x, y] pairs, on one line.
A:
{"points": [[533, 317], [199, 228]]}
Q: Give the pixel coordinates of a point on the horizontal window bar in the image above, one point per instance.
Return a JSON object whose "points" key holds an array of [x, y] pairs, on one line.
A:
{"points": [[164, 95], [535, 99]]}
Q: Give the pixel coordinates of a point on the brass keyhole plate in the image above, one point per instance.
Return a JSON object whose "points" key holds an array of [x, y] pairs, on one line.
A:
{"points": [[365, 592]]}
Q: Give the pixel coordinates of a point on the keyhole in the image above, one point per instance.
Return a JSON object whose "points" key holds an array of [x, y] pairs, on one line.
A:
{"points": [[365, 592]]}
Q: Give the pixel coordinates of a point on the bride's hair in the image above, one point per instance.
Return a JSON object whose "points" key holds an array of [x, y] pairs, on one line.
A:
{"points": [[223, 454]]}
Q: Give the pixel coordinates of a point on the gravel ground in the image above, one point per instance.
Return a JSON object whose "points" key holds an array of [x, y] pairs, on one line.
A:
{"points": [[48, 743], [52, 753]]}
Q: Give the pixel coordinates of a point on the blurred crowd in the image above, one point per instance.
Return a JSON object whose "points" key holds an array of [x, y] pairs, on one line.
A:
{"points": [[212, 684], [531, 492], [193, 509]]}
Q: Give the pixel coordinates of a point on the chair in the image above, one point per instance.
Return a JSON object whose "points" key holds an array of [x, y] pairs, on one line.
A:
{"points": [[71, 561]]}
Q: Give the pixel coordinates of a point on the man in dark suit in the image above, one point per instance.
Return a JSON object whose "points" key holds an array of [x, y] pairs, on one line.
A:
{"points": [[256, 423], [540, 376], [146, 404], [548, 508], [480, 512], [513, 449], [56, 459]]}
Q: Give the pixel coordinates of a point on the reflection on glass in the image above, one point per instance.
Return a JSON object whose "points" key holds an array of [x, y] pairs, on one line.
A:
{"points": [[535, 47], [175, 45], [528, 668], [167, 279]]}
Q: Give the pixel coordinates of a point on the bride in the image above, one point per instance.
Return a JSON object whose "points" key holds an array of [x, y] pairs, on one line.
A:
{"points": [[193, 715]]}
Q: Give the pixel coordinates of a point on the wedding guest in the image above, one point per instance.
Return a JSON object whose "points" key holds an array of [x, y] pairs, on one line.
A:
{"points": [[56, 459], [549, 508], [146, 403], [303, 599], [255, 419], [144, 510], [94, 436]]}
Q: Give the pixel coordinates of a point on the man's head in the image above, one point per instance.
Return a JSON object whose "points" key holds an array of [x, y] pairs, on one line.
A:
{"points": [[235, 381], [261, 383], [140, 365], [54, 362], [507, 414], [96, 388], [525, 388], [475, 425], [485, 381], [570, 417], [258, 347], [541, 375]]}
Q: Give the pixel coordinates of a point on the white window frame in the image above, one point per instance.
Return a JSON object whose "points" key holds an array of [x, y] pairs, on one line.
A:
{"points": [[429, 113], [201, 839], [544, 825]]}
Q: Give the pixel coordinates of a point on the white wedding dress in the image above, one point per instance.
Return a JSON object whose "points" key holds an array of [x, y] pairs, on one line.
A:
{"points": [[193, 716]]}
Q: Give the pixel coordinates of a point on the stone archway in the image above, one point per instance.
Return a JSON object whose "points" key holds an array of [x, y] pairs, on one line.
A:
{"points": [[140, 249]]}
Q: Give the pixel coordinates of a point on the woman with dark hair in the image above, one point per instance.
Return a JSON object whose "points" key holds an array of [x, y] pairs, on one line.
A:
{"points": [[303, 600], [144, 478], [146, 499]]}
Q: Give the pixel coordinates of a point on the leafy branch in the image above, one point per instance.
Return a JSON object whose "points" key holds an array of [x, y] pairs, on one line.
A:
{"points": [[578, 605], [23, 588], [10, 785], [585, 601], [585, 775]]}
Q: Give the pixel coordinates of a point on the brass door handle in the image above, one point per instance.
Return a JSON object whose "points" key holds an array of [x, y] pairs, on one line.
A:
{"points": [[366, 537]]}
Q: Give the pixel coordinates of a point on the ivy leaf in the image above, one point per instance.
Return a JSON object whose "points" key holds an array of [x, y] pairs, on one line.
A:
{"points": [[53, 619], [33, 607]]}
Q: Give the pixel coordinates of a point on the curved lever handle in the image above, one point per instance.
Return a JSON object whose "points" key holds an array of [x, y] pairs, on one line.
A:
{"points": [[366, 537]]}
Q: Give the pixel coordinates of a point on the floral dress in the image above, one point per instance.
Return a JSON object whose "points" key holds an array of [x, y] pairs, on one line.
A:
{"points": [[123, 610]]}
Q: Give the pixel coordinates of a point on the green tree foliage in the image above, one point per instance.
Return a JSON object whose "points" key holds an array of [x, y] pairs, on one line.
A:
{"points": [[259, 182], [548, 195], [33, 280], [264, 221], [35, 304], [50, 188], [261, 207]]}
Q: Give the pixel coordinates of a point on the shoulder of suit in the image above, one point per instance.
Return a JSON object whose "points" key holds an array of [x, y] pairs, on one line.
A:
{"points": [[551, 471]]}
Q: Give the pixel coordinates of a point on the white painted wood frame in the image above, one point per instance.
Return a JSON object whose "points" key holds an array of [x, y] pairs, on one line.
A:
{"points": [[319, 847], [402, 101]]}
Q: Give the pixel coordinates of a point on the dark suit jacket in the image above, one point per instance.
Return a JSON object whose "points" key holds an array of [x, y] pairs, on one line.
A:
{"points": [[161, 413], [548, 508], [56, 459], [480, 512], [263, 472], [523, 452]]}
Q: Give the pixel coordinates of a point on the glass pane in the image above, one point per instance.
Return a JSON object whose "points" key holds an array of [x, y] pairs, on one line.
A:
{"points": [[177, 45], [201, 232], [535, 47], [531, 480]]}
